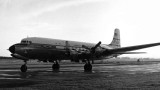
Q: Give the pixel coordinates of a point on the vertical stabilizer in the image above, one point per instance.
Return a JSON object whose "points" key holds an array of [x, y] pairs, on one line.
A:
{"points": [[116, 39]]}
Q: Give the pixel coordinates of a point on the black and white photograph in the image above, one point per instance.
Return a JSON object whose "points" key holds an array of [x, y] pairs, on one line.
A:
{"points": [[79, 45]]}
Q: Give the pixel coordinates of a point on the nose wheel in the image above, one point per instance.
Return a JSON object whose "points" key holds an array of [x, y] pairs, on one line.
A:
{"points": [[24, 67]]}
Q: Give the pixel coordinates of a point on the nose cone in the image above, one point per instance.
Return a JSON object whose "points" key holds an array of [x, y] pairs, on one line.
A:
{"points": [[12, 49]]}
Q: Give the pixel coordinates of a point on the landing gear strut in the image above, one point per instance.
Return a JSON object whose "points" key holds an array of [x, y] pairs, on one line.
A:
{"points": [[24, 67], [88, 66], [56, 65]]}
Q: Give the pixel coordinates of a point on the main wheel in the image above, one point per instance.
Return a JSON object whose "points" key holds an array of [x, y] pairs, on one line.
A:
{"points": [[87, 67], [23, 68], [55, 66]]}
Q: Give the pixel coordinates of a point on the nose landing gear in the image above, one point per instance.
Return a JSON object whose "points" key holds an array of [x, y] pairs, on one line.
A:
{"points": [[55, 66], [24, 67]]}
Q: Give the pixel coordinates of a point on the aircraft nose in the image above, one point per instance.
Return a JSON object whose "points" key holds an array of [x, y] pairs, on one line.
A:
{"points": [[12, 49]]}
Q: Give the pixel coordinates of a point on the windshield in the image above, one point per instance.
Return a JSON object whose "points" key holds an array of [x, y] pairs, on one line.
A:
{"points": [[26, 42]]}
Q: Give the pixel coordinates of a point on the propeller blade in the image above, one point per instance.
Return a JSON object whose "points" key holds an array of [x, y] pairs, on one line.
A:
{"points": [[94, 48], [97, 45]]}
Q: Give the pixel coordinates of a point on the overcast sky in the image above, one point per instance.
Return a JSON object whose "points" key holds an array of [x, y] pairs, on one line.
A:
{"points": [[81, 20]]}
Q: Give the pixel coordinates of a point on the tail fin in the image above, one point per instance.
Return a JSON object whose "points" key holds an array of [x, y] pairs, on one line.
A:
{"points": [[116, 39]]}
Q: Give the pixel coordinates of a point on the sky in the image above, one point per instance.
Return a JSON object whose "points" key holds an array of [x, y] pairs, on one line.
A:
{"points": [[81, 20]]}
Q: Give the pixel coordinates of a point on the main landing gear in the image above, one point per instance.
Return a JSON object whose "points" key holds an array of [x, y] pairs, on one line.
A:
{"points": [[88, 66], [55, 66], [24, 67]]}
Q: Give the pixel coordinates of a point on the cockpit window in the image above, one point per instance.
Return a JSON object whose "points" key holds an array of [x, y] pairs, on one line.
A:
{"points": [[23, 42], [26, 42]]}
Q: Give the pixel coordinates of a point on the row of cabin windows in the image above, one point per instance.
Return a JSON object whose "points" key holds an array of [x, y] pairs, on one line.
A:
{"points": [[26, 42], [29, 42]]}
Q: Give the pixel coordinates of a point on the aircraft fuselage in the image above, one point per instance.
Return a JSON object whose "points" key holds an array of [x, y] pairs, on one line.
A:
{"points": [[52, 50], [46, 49]]}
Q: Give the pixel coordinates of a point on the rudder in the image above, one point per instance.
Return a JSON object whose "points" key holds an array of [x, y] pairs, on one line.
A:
{"points": [[116, 39]]}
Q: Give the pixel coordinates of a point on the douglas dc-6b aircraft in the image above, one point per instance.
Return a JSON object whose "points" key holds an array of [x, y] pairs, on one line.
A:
{"points": [[52, 50]]}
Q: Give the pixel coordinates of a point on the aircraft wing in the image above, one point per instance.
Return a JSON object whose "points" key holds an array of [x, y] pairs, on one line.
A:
{"points": [[124, 50], [128, 52]]}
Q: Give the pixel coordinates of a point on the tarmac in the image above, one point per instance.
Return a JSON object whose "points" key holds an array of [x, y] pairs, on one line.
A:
{"points": [[71, 76]]}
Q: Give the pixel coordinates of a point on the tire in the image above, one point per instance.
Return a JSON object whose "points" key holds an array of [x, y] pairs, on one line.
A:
{"points": [[55, 66], [23, 68], [87, 67]]}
